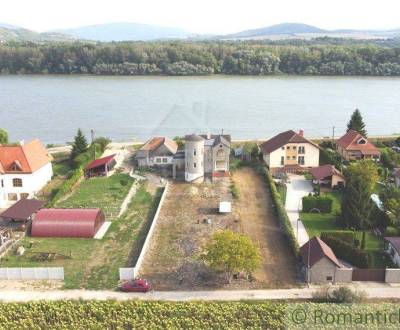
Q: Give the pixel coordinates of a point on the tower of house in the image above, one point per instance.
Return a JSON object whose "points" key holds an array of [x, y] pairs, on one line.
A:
{"points": [[194, 158]]}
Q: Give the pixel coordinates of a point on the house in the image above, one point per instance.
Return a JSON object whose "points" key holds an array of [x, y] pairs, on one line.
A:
{"points": [[101, 167], [82, 223], [328, 175], [206, 156], [392, 247], [353, 146], [158, 151], [23, 210], [290, 152], [319, 262], [24, 170], [397, 177]]}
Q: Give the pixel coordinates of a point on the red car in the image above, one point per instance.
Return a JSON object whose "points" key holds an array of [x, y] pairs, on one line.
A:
{"points": [[137, 285]]}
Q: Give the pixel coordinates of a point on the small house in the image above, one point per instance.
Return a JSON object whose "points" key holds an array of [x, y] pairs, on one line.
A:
{"points": [[157, 152], [23, 210], [392, 247], [101, 167], [354, 146], [329, 176]]}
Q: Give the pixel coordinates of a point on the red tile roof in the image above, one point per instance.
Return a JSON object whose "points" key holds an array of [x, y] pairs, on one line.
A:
{"points": [[23, 209], [157, 141], [282, 139], [100, 162], [349, 141], [317, 249], [325, 171], [28, 158]]}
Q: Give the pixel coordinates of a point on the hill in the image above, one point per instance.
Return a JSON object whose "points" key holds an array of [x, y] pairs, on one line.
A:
{"points": [[125, 31], [15, 33]]}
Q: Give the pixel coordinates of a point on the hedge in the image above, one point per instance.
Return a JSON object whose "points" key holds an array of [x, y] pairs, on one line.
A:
{"points": [[346, 236], [321, 203], [348, 252], [281, 212]]}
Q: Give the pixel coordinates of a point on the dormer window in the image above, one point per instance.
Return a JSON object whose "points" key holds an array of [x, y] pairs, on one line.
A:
{"points": [[16, 166], [362, 141]]}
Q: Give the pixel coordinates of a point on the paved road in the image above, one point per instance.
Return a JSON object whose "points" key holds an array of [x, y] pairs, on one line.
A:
{"points": [[296, 190], [373, 291]]}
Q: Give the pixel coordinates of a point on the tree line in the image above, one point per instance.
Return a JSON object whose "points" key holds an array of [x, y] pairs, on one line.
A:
{"points": [[199, 58]]}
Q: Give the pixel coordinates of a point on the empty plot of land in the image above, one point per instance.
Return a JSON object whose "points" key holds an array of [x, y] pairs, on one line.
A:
{"points": [[258, 220]]}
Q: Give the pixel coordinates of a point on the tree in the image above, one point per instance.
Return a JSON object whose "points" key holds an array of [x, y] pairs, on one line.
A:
{"points": [[391, 202], [3, 136], [231, 253], [357, 205], [356, 123], [80, 144]]}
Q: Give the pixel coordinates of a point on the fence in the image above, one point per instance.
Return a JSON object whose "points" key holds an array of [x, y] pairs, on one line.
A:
{"points": [[35, 273], [131, 273]]}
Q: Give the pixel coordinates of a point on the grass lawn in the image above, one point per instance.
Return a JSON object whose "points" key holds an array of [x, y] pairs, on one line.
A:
{"points": [[94, 263], [105, 193]]}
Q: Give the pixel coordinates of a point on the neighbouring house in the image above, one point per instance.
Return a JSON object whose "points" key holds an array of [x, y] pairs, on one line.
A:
{"points": [[158, 151], [101, 167], [206, 156], [329, 176], [23, 210], [392, 247], [397, 177], [24, 170], [67, 223], [353, 146], [320, 264], [290, 152]]}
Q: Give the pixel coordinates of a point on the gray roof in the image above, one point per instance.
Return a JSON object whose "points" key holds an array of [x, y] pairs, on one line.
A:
{"points": [[193, 138]]}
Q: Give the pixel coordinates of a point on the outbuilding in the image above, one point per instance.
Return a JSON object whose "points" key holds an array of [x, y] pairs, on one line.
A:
{"points": [[23, 210], [67, 223], [101, 167], [328, 175]]}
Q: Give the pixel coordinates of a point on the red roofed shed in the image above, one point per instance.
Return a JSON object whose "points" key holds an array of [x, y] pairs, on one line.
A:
{"points": [[67, 222], [100, 167]]}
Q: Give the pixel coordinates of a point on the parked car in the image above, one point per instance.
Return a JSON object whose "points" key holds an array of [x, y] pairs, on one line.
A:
{"points": [[138, 285]]}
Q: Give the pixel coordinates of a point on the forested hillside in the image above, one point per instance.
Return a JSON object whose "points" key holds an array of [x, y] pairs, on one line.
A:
{"points": [[199, 58]]}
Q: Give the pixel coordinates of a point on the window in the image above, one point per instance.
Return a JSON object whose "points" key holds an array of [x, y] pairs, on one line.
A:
{"points": [[294, 147], [220, 153], [302, 150], [24, 195], [12, 197], [158, 160], [2, 183], [301, 160], [288, 157], [362, 141], [165, 160], [293, 157], [287, 148], [17, 182], [329, 278], [194, 165], [282, 160], [194, 152], [283, 148]]}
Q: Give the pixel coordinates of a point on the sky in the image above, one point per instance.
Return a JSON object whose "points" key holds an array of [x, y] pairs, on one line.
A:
{"points": [[202, 16]]}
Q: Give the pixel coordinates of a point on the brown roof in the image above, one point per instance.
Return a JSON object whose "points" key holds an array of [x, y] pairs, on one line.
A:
{"points": [[349, 141], [395, 241], [157, 141], [325, 171], [281, 139], [28, 158], [23, 209], [317, 249]]}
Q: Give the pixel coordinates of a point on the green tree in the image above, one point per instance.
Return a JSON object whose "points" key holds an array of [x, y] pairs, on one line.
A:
{"points": [[3, 136], [80, 144], [391, 202], [357, 205], [356, 123], [230, 253]]}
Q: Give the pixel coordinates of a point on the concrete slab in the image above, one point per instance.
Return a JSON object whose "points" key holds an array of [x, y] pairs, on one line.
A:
{"points": [[103, 230]]}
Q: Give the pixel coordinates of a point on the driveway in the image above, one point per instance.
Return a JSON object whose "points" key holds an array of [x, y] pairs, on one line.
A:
{"points": [[296, 190]]}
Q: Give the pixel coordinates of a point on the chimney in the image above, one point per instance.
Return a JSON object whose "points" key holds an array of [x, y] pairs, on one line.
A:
{"points": [[208, 135], [301, 133]]}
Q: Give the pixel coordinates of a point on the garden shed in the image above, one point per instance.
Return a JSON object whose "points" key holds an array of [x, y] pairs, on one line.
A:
{"points": [[67, 223]]}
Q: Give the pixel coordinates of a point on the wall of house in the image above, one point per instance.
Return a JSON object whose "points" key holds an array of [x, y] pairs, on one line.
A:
{"points": [[336, 179], [343, 275], [208, 159], [321, 270], [194, 167], [31, 184], [392, 275], [291, 155], [220, 154]]}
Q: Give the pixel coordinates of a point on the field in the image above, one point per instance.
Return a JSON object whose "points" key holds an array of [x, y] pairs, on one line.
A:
{"points": [[94, 263]]}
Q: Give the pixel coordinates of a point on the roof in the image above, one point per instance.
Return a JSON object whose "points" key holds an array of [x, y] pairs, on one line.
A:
{"points": [[349, 141], [282, 139], [157, 141], [28, 158], [67, 214], [395, 242], [23, 209], [317, 249], [397, 173], [227, 137], [325, 171], [194, 138], [100, 162]]}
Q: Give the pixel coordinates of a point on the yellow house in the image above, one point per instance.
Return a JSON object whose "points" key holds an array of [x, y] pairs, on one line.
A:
{"points": [[291, 152]]}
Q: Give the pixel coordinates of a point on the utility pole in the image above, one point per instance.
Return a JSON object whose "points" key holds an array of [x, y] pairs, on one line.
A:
{"points": [[333, 134], [94, 146]]}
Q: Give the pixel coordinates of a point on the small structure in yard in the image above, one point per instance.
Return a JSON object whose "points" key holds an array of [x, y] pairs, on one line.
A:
{"points": [[23, 210], [320, 264], [328, 175], [354, 146], [392, 247], [225, 207], [67, 223], [101, 167]]}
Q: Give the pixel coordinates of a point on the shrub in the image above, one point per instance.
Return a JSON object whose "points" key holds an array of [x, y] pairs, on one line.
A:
{"points": [[321, 203], [348, 252], [392, 231], [340, 295], [344, 236], [235, 191]]}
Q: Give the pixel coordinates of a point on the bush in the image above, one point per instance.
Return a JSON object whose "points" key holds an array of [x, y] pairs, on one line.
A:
{"points": [[340, 295], [348, 252], [321, 203], [235, 191], [344, 236], [392, 231]]}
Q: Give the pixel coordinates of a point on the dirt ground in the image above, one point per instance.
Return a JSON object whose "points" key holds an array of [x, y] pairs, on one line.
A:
{"points": [[172, 261], [254, 208]]}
